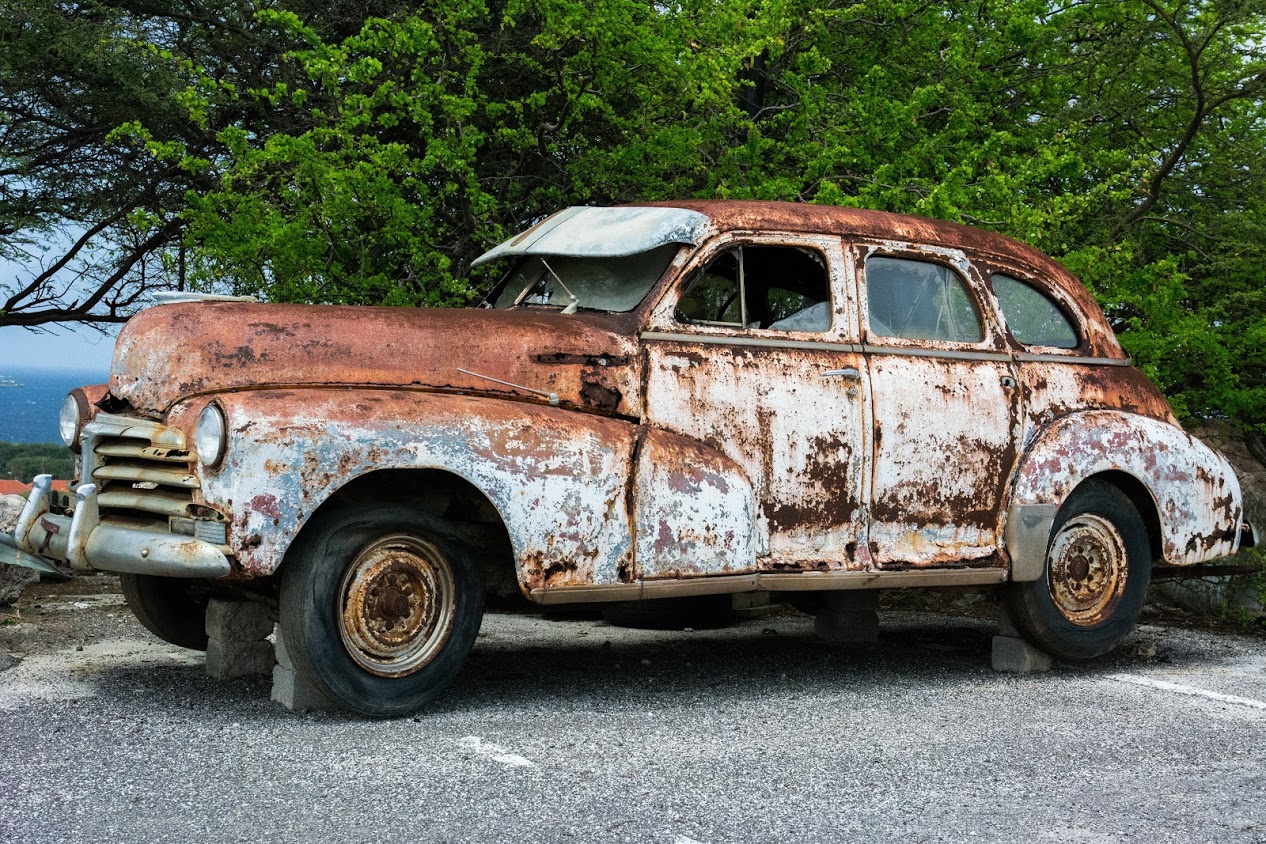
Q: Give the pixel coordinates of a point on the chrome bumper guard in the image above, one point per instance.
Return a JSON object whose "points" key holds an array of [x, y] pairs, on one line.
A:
{"points": [[88, 544]]}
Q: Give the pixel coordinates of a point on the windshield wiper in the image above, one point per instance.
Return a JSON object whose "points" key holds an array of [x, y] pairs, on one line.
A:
{"points": [[575, 300]]}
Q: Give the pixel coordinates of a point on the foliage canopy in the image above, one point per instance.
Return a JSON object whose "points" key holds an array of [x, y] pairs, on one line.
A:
{"points": [[368, 159]]}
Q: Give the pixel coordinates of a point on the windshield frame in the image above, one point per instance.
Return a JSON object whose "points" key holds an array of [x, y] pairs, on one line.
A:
{"points": [[674, 256]]}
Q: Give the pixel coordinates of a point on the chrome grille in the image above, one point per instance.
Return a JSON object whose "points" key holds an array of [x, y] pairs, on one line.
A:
{"points": [[142, 468]]}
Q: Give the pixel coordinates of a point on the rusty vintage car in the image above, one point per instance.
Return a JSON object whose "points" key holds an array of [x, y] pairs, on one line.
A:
{"points": [[680, 399]]}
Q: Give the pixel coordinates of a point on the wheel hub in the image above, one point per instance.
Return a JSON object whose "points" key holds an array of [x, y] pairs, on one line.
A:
{"points": [[1087, 570], [397, 603]]}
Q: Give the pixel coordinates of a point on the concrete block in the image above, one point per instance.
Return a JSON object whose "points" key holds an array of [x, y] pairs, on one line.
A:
{"points": [[296, 694], [1017, 656], [279, 647], [236, 643], [229, 659], [241, 621], [848, 618], [291, 690], [1006, 627]]}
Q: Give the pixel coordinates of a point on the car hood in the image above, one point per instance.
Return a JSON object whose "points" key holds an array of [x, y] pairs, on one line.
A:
{"points": [[172, 352]]}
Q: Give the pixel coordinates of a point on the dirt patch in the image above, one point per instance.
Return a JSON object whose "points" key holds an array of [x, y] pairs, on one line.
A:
{"points": [[52, 616]]}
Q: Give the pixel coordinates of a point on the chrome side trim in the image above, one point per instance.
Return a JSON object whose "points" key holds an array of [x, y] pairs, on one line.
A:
{"points": [[871, 349], [1029, 357], [758, 342], [948, 354], [772, 582]]}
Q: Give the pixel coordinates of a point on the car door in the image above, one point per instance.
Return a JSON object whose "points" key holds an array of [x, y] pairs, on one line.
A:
{"points": [[753, 354], [945, 403]]}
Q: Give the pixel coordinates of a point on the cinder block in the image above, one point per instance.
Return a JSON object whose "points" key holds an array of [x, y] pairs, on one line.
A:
{"points": [[1006, 627], [241, 621], [236, 643], [226, 660], [279, 647], [849, 618], [291, 690], [296, 694], [1017, 656]]}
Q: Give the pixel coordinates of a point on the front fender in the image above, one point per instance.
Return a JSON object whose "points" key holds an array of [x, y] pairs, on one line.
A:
{"points": [[558, 478], [1194, 489]]}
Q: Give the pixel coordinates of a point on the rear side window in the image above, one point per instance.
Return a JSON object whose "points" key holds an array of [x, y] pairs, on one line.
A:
{"points": [[1032, 317], [920, 300]]}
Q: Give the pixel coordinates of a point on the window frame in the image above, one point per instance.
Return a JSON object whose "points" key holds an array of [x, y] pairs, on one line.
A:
{"points": [[835, 266], [980, 295], [1079, 336], [1052, 291]]}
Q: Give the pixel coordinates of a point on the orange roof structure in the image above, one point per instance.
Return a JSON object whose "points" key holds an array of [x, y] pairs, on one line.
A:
{"points": [[20, 488]]}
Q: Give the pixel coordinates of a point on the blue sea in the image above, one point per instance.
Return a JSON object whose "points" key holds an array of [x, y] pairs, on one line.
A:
{"points": [[28, 414]]}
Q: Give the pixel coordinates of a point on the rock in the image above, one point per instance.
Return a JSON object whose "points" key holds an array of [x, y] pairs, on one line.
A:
{"points": [[1208, 595], [13, 579]]}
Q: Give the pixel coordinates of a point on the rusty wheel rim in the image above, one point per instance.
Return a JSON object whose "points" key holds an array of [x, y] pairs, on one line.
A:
{"points": [[1087, 569], [397, 601]]}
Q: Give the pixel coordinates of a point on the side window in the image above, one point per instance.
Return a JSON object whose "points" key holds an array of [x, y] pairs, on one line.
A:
{"points": [[1032, 317], [779, 288], [920, 300]]}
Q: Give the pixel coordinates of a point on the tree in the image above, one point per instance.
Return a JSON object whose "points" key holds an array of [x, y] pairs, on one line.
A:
{"points": [[92, 221], [369, 159]]}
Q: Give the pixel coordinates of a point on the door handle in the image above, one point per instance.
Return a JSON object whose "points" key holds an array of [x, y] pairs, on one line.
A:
{"points": [[1008, 382], [849, 372]]}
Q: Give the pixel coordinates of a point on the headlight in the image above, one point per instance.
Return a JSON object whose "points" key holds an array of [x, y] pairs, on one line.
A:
{"points": [[68, 421], [209, 438]]}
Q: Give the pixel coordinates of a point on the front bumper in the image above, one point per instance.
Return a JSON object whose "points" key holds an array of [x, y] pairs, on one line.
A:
{"points": [[83, 541]]}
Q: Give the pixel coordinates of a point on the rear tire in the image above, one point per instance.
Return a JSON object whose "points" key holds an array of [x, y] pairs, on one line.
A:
{"points": [[1098, 566], [380, 606], [172, 608]]}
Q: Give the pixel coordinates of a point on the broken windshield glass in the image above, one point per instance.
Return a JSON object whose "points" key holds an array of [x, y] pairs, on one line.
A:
{"points": [[601, 284]]}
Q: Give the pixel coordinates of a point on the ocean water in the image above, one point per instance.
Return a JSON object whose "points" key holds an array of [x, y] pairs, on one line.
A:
{"points": [[28, 414]]}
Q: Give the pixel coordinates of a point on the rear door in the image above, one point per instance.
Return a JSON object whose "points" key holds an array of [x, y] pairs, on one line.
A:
{"points": [[946, 408]]}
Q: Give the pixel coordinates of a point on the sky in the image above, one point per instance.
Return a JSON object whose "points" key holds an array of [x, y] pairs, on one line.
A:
{"points": [[60, 347], [67, 346]]}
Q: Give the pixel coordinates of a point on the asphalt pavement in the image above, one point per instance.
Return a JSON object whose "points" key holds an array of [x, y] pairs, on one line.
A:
{"points": [[561, 731]]}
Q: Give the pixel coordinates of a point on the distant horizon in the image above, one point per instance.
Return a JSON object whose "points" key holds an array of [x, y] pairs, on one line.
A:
{"points": [[72, 367]]}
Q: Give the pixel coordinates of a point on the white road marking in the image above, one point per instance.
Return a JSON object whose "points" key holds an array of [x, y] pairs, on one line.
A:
{"points": [[682, 839], [1181, 689], [494, 752]]}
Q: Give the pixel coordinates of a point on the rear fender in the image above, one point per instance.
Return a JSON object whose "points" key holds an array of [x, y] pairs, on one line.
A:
{"points": [[1194, 489]]}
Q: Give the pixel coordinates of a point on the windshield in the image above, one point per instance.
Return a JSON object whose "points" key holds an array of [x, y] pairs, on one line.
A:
{"points": [[600, 284]]}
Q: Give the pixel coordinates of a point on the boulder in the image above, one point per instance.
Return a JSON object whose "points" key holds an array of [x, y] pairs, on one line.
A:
{"points": [[13, 579]]}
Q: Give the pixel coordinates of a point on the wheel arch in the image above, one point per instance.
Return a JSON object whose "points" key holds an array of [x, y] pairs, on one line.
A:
{"points": [[447, 495]]}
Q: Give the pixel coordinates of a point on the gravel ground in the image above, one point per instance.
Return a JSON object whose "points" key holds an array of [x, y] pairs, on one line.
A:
{"points": [[578, 731]]}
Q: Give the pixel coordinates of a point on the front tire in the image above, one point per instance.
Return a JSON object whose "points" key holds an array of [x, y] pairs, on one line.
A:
{"points": [[172, 608], [380, 606], [1098, 566]]}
